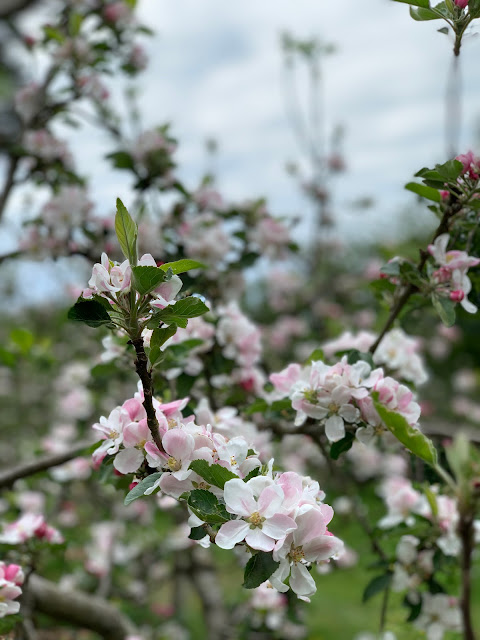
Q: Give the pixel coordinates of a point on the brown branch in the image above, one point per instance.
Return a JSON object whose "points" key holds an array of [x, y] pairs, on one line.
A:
{"points": [[9, 182], [9, 8], [79, 609], [466, 533], [8, 477], [141, 366]]}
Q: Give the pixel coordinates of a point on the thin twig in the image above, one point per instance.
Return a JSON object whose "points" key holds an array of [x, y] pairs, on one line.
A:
{"points": [[9, 182], [8, 477]]}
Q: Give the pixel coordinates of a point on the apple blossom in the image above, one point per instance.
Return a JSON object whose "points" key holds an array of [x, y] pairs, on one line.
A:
{"points": [[262, 521], [11, 577], [310, 542]]}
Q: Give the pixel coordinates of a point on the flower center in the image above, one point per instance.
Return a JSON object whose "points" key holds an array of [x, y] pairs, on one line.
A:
{"points": [[113, 434], [255, 520], [296, 554], [310, 396], [333, 407], [174, 464]]}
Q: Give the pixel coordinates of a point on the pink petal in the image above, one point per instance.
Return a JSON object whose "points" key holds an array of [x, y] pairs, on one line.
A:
{"points": [[322, 548], [178, 443], [310, 524]]}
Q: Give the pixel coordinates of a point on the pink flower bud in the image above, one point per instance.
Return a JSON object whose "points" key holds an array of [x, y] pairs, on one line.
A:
{"points": [[457, 296], [444, 194], [442, 275], [461, 3], [132, 485], [13, 573], [41, 531]]}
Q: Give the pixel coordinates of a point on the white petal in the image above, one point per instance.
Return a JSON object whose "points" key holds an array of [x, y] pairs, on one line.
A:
{"points": [[334, 428], [230, 533], [239, 498], [256, 539], [301, 581], [128, 460], [278, 526]]}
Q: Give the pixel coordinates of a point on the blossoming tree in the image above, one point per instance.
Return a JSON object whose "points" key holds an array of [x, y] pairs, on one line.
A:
{"points": [[208, 446]]}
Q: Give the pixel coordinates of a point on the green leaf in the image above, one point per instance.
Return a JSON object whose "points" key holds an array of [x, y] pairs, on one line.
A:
{"points": [[415, 608], [206, 507], [409, 272], [121, 160], [259, 568], [181, 311], [138, 490], [53, 34], [23, 339], [180, 266], [7, 358], [127, 232], [316, 356], [445, 309], [450, 170], [8, 623], [74, 23], [146, 279], [259, 406], [392, 268], [459, 458], [432, 501], [413, 439], [443, 30], [197, 533], [423, 14], [160, 336], [416, 3], [341, 446], [253, 474], [376, 585], [281, 405], [354, 355], [213, 474], [424, 191], [90, 312]]}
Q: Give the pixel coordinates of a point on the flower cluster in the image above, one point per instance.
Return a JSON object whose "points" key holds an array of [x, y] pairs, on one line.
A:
{"points": [[27, 527], [280, 513], [397, 351], [113, 280], [451, 277], [11, 577], [342, 394]]}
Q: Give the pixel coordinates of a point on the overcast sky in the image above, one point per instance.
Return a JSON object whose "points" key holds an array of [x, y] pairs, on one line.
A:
{"points": [[216, 71]]}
